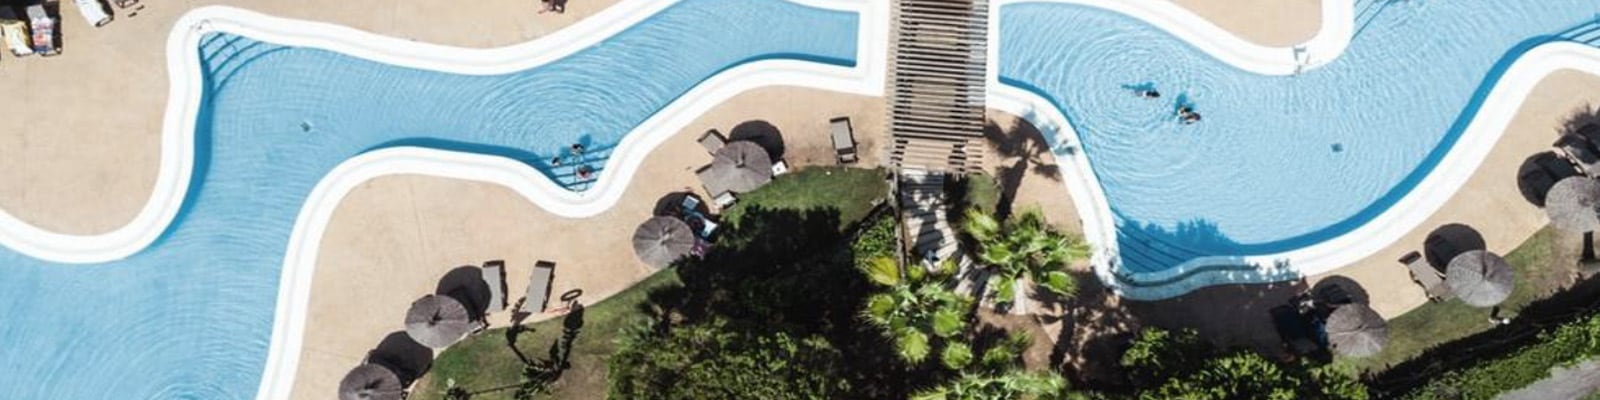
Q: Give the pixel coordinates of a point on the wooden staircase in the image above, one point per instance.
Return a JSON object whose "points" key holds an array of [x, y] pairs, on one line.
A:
{"points": [[936, 77]]}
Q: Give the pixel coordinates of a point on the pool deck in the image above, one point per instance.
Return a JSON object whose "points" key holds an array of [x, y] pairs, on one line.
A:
{"points": [[435, 225], [1278, 23]]}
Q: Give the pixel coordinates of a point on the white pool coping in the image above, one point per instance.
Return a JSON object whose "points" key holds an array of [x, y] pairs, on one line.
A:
{"points": [[1421, 202]]}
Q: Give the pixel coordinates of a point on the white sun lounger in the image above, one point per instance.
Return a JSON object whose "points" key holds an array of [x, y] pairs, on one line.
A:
{"points": [[1426, 276], [494, 276], [93, 12], [538, 287], [15, 32]]}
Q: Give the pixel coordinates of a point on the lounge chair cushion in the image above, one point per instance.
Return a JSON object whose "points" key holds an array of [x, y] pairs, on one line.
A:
{"points": [[538, 287], [494, 276]]}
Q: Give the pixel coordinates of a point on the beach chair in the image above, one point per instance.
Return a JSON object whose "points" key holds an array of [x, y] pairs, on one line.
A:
{"points": [[780, 168], [93, 12], [44, 31], [538, 287], [1426, 276], [724, 199], [844, 139], [126, 3], [15, 32], [712, 140], [494, 273], [1582, 154]]}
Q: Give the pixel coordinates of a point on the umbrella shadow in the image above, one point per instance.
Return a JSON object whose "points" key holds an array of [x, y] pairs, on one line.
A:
{"points": [[671, 205], [1539, 173], [465, 284], [1339, 290], [1449, 241], [763, 134], [408, 359]]}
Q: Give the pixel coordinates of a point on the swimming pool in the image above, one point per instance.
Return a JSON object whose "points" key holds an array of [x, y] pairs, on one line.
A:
{"points": [[191, 316], [1279, 162]]}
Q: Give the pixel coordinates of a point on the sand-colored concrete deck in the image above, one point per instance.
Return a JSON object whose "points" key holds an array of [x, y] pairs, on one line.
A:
{"points": [[394, 238], [1264, 22]]}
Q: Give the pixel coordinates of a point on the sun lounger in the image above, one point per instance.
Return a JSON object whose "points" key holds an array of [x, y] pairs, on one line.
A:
{"points": [[1580, 152], [15, 32], [712, 141], [724, 199], [93, 12], [126, 3], [1294, 330], [1425, 275], [844, 139], [494, 273], [538, 287], [44, 31]]}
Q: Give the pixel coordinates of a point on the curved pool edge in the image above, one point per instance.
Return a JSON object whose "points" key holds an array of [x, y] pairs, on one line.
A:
{"points": [[1484, 130], [1330, 41], [865, 78]]}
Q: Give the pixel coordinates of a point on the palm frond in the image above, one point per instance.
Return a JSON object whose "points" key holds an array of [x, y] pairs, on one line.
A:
{"points": [[882, 271]]}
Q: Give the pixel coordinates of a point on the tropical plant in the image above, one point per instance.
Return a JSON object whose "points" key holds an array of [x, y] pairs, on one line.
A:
{"points": [[1025, 247], [917, 312], [1010, 385], [716, 360], [1168, 365]]}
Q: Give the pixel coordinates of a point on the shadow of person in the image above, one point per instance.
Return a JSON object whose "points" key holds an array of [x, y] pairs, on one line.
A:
{"points": [[465, 284], [762, 133], [1541, 172], [1449, 241], [407, 358]]}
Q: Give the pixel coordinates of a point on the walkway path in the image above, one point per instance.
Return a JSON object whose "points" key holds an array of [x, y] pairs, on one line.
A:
{"points": [[1573, 383]]}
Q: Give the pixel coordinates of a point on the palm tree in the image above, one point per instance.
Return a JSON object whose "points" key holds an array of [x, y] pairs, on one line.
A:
{"points": [[916, 311], [1011, 384], [1024, 246]]}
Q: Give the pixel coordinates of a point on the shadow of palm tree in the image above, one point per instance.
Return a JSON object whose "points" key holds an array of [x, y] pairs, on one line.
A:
{"points": [[1022, 150]]}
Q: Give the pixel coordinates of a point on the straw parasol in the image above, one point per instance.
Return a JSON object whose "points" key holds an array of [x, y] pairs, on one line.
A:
{"points": [[739, 167], [1479, 278], [437, 321], [661, 240], [1357, 331], [1574, 204], [370, 382]]}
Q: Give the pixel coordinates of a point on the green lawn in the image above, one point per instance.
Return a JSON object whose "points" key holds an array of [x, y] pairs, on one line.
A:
{"points": [[485, 362], [1541, 269], [852, 191]]}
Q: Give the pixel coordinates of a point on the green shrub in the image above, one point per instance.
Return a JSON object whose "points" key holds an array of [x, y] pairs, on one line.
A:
{"points": [[877, 240], [1566, 345]]}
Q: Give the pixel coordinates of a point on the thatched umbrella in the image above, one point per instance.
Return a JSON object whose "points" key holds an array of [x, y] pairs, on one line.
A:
{"points": [[1573, 204], [1357, 331], [1479, 278], [370, 382], [437, 321], [661, 240], [739, 166]]}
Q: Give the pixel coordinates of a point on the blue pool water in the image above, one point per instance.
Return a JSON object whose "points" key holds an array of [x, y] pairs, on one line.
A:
{"points": [[191, 317], [1277, 163]]}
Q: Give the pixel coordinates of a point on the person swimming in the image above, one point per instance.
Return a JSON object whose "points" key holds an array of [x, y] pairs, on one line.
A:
{"points": [[1148, 93], [1187, 116]]}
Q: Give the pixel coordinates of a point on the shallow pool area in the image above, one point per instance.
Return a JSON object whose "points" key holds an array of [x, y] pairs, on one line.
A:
{"points": [[1276, 163], [191, 316]]}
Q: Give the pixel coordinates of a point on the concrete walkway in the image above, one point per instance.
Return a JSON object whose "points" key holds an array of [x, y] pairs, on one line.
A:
{"points": [[1574, 383]]}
